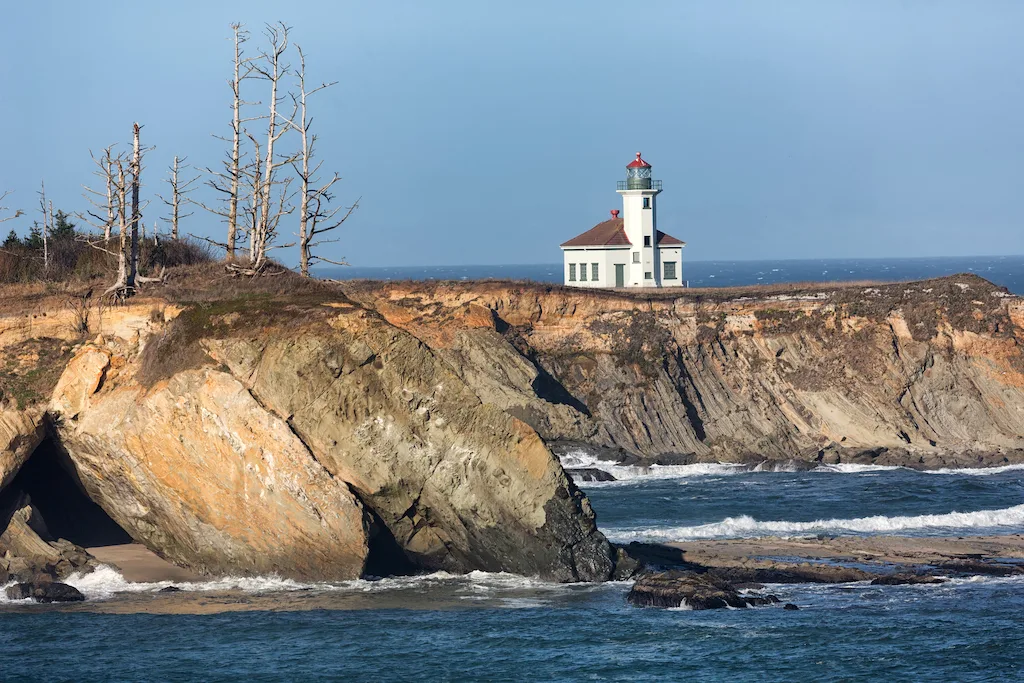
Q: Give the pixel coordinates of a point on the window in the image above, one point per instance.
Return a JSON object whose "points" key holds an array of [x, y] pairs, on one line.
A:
{"points": [[583, 272], [647, 276], [647, 240], [572, 272], [636, 257], [647, 202], [593, 271], [670, 270]]}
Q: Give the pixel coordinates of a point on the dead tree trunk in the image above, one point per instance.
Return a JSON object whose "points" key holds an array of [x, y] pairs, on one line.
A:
{"points": [[315, 217], [227, 182], [104, 202], [179, 195], [46, 226], [136, 170], [273, 70]]}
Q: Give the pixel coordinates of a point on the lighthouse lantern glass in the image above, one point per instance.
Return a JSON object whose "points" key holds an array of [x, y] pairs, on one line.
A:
{"points": [[638, 178]]}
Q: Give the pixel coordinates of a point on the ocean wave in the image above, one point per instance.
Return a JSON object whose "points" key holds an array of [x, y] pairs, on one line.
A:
{"points": [[748, 527], [106, 582], [851, 468], [976, 471], [580, 459]]}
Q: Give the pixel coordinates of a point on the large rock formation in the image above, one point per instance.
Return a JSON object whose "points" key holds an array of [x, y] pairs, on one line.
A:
{"points": [[922, 374], [394, 427], [314, 440]]}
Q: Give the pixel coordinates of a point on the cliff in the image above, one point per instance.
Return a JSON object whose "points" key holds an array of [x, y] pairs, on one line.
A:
{"points": [[296, 434], [325, 431], [922, 374]]}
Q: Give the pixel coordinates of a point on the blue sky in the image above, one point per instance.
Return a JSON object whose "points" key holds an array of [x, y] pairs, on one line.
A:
{"points": [[484, 132]]}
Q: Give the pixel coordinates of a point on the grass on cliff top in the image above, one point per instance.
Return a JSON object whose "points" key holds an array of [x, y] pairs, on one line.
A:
{"points": [[29, 370], [694, 294]]}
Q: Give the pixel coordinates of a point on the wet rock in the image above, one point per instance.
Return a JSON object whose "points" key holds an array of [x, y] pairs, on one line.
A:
{"points": [[696, 591], [802, 573], [626, 566], [169, 589], [903, 579], [974, 567], [589, 474], [45, 591], [790, 607]]}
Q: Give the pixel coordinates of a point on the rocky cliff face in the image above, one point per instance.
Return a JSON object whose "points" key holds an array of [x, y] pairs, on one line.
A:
{"points": [[306, 438], [921, 374], [382, 428]]}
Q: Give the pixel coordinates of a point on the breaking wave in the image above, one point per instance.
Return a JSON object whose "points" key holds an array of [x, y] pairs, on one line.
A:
{"points": [[580, 459], [107, 582], [748, 527]]}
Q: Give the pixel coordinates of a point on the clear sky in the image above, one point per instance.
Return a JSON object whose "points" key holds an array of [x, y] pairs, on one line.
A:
{"points": [[489, 132]]}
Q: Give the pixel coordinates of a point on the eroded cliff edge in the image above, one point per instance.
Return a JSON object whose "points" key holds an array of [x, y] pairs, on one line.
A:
{"points": [[330, 432], [923, 374]]}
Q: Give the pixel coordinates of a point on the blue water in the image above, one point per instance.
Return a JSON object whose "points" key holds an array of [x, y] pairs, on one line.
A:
{"points": [[507, 628], [1006, 271]]}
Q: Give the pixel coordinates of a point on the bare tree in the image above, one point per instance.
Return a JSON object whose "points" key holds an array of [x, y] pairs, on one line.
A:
{"points": [[179, 194], [128, 277], [122, 286], [227, 182], [273, 194], [105, 201], [47, 215], [316, 218], [17, 213]]}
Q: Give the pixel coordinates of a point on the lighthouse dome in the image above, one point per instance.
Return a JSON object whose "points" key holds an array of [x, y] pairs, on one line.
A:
{"points": [[638, 174]]}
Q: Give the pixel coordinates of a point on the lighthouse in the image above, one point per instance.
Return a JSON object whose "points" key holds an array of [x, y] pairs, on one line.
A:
{"points": [[629, 251]]}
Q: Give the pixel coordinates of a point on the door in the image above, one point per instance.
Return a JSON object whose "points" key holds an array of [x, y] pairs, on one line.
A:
{"points": [[620, 275]]}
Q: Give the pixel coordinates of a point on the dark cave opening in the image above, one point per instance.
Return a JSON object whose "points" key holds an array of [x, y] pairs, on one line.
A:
{"points": [[50, 480], [385, 557]]}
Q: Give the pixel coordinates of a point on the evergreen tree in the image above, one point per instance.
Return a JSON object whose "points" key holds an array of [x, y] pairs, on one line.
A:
{"points": [[62, 227], [35, 236], [12, 241]]}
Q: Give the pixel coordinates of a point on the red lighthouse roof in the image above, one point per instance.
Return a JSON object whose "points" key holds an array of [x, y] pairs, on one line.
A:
{"points": [[638, 163]]}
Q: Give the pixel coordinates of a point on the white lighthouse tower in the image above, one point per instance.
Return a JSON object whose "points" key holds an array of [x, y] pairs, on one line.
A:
{"points": [[639, 217], [628, 251]]}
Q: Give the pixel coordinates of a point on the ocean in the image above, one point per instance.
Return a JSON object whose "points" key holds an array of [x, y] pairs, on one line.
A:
{"points": [[500, 627], [1006, 271]]}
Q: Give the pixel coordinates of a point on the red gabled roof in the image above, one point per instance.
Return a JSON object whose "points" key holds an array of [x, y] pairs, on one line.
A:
{"points": [[607, 234], [611, 234], [669, 241], [638, 163]]}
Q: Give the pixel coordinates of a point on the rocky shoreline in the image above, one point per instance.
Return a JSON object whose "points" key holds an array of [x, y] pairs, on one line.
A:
{"points": [[325, 432], [705, 574]]}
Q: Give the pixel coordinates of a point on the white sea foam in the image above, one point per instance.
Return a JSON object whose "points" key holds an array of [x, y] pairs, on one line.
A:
{"points": [[851, 468], [106, 582], [624, 473], [977, 471], [748, 527]]}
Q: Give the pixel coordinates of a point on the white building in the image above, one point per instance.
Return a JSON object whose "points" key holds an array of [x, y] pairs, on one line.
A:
{"points": [[628, 251]]}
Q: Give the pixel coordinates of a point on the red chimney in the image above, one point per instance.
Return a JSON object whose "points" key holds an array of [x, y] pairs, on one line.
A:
{"points": [[615, 214]]}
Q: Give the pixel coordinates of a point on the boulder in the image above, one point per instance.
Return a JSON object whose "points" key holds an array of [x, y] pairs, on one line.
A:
{"points": [[589, 474], [690, 590], [45, 591]]}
